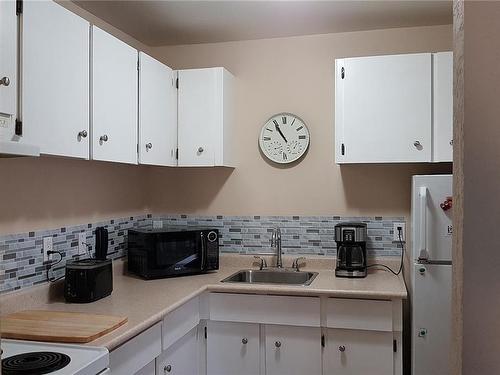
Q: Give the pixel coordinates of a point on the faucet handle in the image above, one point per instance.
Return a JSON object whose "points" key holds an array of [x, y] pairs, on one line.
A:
{"points": [[263, 263], [295, 263]]}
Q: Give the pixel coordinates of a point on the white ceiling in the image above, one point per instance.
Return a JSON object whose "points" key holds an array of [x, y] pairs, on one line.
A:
{"points": [[158, 23]]}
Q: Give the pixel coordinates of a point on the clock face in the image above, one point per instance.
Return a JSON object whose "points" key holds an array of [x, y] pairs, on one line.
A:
{"points": [[284, 138]]}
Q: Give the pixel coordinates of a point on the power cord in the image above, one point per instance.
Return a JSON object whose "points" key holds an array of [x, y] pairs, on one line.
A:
{"points": [[54, 264], [400, 230]]}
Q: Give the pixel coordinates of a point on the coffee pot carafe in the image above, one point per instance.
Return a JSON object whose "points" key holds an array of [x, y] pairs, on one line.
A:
{"points": [[351, 249]]}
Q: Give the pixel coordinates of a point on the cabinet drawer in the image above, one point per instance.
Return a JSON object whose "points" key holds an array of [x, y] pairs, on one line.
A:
{"points": [[180, 321], [137, 352], [249, 308], [369, 315]]}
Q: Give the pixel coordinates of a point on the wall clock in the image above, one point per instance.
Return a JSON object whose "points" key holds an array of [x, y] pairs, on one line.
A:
{"points": [[284, 138]]}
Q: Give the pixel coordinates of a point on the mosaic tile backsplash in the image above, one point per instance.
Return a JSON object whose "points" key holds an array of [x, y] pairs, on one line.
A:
{"points": [[22, 260]]}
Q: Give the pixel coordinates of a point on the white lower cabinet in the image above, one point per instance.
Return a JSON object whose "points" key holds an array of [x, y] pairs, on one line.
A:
{"points": [[233, 348], [136, 353], [293, 350], [233, 335], [355, 352], [149, 369], [181, 358]]}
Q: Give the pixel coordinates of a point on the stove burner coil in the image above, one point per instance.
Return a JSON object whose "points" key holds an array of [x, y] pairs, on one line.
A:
{"points": [[34, 363]]}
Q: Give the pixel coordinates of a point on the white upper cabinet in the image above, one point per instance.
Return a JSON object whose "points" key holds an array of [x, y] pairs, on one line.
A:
{"points": [[383, 109], [157, 112], [8, 57], [114, 99], [55, 79], [205, 117], [443, 107]]}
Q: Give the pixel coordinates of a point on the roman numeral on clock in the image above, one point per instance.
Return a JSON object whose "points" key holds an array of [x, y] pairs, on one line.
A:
{"points": [[267, 138], [284, 120]]}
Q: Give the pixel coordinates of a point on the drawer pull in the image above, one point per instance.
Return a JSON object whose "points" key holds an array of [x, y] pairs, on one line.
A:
{"points": [[167, 368], [277, 344], [244, 341], [342, 348]]}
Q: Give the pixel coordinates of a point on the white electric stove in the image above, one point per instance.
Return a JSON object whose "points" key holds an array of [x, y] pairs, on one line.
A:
{"points": [[31, 357]]}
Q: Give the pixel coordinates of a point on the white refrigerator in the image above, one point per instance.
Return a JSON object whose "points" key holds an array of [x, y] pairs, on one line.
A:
{"points": [[431, 274]]}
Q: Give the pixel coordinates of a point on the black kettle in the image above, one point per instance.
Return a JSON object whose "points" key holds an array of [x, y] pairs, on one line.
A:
{"points": [[101, 243]]}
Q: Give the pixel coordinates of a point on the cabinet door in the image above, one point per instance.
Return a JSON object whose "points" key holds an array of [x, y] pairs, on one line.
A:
{"points": [[55, 95], [8, 57], [383, 109], [157, 113], [149, 369], [293, 350], [443, 107], [200, 115], [114, 99], [233, 348], [353, 352], [181, 358]]}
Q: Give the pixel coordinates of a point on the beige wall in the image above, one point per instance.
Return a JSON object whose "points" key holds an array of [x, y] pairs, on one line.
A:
{"points": [[481, 187], [37, 193], [291, 75]]}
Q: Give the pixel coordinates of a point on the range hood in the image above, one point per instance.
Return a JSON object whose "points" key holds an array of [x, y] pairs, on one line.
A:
{"points": [[12, 149], [10, 144]]}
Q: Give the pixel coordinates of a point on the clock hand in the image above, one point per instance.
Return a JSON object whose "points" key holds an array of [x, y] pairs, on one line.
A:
{"points": [[279, 131]]}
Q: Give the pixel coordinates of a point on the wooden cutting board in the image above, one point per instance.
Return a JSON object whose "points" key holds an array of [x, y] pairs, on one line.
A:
{"points": [[58, 326]]}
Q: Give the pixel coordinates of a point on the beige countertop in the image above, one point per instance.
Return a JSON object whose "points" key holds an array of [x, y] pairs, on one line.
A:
{"points": [[146, 302]]}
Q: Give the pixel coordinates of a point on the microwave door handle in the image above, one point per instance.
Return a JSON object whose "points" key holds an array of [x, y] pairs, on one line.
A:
{"points": [[203, 251], [423, 253]]}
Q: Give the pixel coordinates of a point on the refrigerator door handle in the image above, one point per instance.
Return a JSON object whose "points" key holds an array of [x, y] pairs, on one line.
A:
{"points": [[423, 253]]}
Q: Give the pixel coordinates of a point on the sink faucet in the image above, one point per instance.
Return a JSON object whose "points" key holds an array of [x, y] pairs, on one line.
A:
{"points": [[276, 243]]}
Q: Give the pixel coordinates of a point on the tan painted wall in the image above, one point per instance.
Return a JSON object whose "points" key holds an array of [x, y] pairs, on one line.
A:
{"points": [[47, 192], [289, 74], [481, 187], [292, 75]]}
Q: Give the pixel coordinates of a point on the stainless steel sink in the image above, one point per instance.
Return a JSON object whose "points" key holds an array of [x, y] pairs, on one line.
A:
{"points": [[278, 276]]}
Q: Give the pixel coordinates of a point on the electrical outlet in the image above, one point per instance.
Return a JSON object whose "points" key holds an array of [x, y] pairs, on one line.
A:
{"points": [[157, 224], [82, 243], [395, 236], [47, 246]]}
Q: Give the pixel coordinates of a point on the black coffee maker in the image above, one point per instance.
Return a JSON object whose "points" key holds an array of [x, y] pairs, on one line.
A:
{"points": [[351, 249]]}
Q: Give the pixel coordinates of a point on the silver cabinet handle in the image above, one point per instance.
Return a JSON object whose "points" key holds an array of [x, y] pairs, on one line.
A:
{"points": [[342, 348], [104, 138], [200, 149], [277, 344], [83, 134], [422, 270], [451, 142], [5, 81], [244, 341], [167, 368], [149, 146], [417, 144]]}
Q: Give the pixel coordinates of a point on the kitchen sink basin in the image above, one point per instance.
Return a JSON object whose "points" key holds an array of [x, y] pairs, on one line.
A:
{"points": [[278, 276]]}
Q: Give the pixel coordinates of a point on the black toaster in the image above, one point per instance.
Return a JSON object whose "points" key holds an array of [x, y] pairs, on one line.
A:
{"points": [[88, 280]]}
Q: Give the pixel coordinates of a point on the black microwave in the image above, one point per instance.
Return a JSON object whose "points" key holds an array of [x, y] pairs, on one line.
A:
{"points": [[157, 253]]}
